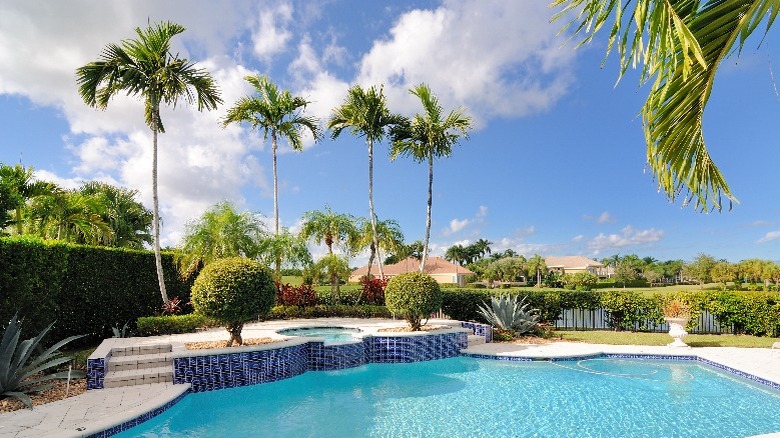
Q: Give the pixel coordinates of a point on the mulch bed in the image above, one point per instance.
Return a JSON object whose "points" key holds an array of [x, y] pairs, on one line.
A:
{"points": [[425, 328], [77, 386], [221, 344]]}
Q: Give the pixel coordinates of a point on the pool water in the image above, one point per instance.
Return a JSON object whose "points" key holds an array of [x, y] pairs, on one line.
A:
{"points": [[463, 397], [332, 335]]}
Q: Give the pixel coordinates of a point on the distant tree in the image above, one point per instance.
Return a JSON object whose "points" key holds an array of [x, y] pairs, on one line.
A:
{"points": [[536, 264], [700, 268], [722, 272], [336, 268], [220, 232], [457, 254], [278, 113], [427, 136], [130, 222], [483, 247], [332, 229], [365, 113], [67, 215], [624, 272], [146, 67], [284, 248], [652, 273], [389, 236], [17, 187]]}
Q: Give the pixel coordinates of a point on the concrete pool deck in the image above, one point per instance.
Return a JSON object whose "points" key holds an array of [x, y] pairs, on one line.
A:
{"points": [[97, 410]]}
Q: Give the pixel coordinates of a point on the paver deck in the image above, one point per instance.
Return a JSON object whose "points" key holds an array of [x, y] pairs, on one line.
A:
{"points": [[99, 409]]}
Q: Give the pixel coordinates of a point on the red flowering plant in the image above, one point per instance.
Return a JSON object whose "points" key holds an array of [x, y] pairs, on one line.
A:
{"points": [[373, 291], [301, 296], [172, 307]]}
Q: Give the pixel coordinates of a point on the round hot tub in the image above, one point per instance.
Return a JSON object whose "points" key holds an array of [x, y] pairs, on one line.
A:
{"points": [[331, 334]]}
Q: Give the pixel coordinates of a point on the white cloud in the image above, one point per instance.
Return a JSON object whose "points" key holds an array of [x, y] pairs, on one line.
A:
{"points": [[628, 237], [605, 218], [578, 238], [772, 235], [489, 56], [272, 34], [456, 225]]}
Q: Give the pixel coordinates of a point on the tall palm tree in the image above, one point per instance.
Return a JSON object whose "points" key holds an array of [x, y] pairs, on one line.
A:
{"points": [[19, 186], [332, 229], [130, 222], [365, 113], [457, 253], [220, 232], [388, 235], [681, 44], [427, 136], [146, 67], [284, 247], [536, 264], [69, 216], [483, 246], [278, 113]]}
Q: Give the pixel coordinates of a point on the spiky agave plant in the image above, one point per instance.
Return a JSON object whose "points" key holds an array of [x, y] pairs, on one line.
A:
{"points": [[18, 365], [509, 313]]}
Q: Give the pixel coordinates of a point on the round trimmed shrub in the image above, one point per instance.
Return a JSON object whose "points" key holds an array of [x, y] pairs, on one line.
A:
{"points": [[233, 291], [413, 295]]}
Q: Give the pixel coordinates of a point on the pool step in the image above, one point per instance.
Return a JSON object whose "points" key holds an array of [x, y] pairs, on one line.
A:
{"points": [[139, 365], [476, 340]]}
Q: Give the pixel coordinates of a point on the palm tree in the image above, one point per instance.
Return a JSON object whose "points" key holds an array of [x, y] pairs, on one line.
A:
{"points": [[220, 232], [389, 236], [69, 216], [19, 186], [457, 253], [365, 113], [146, 67], [287, 247], [278, 113], [536, 264], [428, 136], [482, 246], [130, 222], [332, 229], [681, 44]]}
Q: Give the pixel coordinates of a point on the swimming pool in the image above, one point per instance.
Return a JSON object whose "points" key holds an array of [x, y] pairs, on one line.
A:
{"points": [[332, 335], [465, 396]]}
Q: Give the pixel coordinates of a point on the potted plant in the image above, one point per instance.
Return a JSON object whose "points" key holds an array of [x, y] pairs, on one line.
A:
{"points": [[677, 313]]}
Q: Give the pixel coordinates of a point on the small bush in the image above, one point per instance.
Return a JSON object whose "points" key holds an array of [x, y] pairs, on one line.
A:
{"points": [[172, 324], [233, 291], [413, 295], [288, 295], [373, 291], [329, 311]]}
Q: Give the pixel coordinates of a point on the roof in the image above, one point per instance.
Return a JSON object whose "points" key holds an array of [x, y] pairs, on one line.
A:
{"points": [[571, 262], [433, 266]]}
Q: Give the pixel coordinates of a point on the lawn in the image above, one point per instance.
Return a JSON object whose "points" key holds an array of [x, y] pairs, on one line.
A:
{"points": [[636, 338]]}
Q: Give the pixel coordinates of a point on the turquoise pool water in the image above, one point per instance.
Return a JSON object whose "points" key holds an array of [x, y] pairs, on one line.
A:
{"points": [[332, 335], [467, 397]]}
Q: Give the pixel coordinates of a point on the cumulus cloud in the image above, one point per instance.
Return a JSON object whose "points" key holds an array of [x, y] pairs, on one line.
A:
{"points": [[628, 237], [272, 32], [768, 237], [605, 218], [458, 225]]}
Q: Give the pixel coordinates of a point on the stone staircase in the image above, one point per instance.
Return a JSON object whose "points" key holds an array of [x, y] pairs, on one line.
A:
{"points": [[139, 365]]}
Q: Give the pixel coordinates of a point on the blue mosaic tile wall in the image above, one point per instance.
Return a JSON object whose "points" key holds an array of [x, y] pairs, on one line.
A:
{"points": [[391, 349], [206, 373], [336, 356], [485, 330], [96, 372], [136, 421]]}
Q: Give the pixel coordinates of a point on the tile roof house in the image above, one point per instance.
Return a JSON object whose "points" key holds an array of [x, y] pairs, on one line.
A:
{"points": [[438, 268], [574, 264]]}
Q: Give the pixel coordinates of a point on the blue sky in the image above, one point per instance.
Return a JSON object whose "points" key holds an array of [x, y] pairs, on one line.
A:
{"points": [[555, 166]]}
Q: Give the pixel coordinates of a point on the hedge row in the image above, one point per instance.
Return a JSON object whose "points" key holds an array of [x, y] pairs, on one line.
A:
{"points": [[86, 290], [754, 313]]}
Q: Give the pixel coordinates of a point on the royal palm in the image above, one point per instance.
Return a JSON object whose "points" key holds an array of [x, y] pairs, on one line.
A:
{"points": [[146, 67]]}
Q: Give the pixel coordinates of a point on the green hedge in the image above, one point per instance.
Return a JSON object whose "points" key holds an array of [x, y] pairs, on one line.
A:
{"points": [[754, 313], [86, 290], [172, 324], [325, 311]]}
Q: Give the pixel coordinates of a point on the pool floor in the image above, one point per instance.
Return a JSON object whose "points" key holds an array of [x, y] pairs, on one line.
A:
{"points": [[480, 397]]}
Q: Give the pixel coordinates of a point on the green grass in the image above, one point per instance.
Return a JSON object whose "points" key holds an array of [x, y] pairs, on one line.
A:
{"points": [[636, 338], [293, 280]]}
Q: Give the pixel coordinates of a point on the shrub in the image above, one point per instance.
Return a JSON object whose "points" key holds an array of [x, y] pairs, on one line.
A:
{"points": [[581, 281], [628, 310], [172, 324], [17, 365], [288, 295], [329, 311], [413, 295], [463, 304], [373, 291], [676, 308], [233, 291]]}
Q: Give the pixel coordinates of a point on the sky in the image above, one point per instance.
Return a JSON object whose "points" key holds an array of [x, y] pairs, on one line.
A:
{"points": [[555, 164]]}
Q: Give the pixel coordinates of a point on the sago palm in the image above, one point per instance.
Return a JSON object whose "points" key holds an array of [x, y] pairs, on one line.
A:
{"points": [[427, 136], [146, 67], [680, 44], [365, 113], [278, 113]]}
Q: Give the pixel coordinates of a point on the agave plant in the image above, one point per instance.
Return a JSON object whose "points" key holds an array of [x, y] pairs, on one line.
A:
{"points": [[19, 369], [507, 313]]}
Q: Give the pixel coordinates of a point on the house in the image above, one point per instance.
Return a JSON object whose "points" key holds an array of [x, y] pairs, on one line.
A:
{"points": [[438, 268], [575, 264]]}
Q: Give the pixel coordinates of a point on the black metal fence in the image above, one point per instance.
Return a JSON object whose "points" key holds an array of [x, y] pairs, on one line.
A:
{"points": [[583, 319]]}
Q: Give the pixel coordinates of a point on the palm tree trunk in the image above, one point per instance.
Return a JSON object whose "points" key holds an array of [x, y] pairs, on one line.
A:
{"points": [[428, 213], [19, 229], [371, 204], [155, 206], [278, 267]]}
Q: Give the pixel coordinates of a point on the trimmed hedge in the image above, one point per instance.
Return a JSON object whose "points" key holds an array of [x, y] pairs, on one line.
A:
{"points": [[86, 290], [326, 311], [172, 324]]}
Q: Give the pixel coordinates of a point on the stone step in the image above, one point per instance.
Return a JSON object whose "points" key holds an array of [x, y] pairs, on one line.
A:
{"points": [[137, 350], [476, 340], [141, 361], [142, 376]]}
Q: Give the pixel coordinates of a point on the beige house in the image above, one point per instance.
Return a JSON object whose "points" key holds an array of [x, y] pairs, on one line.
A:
{"points": [[438, 268], [575, 264]]}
